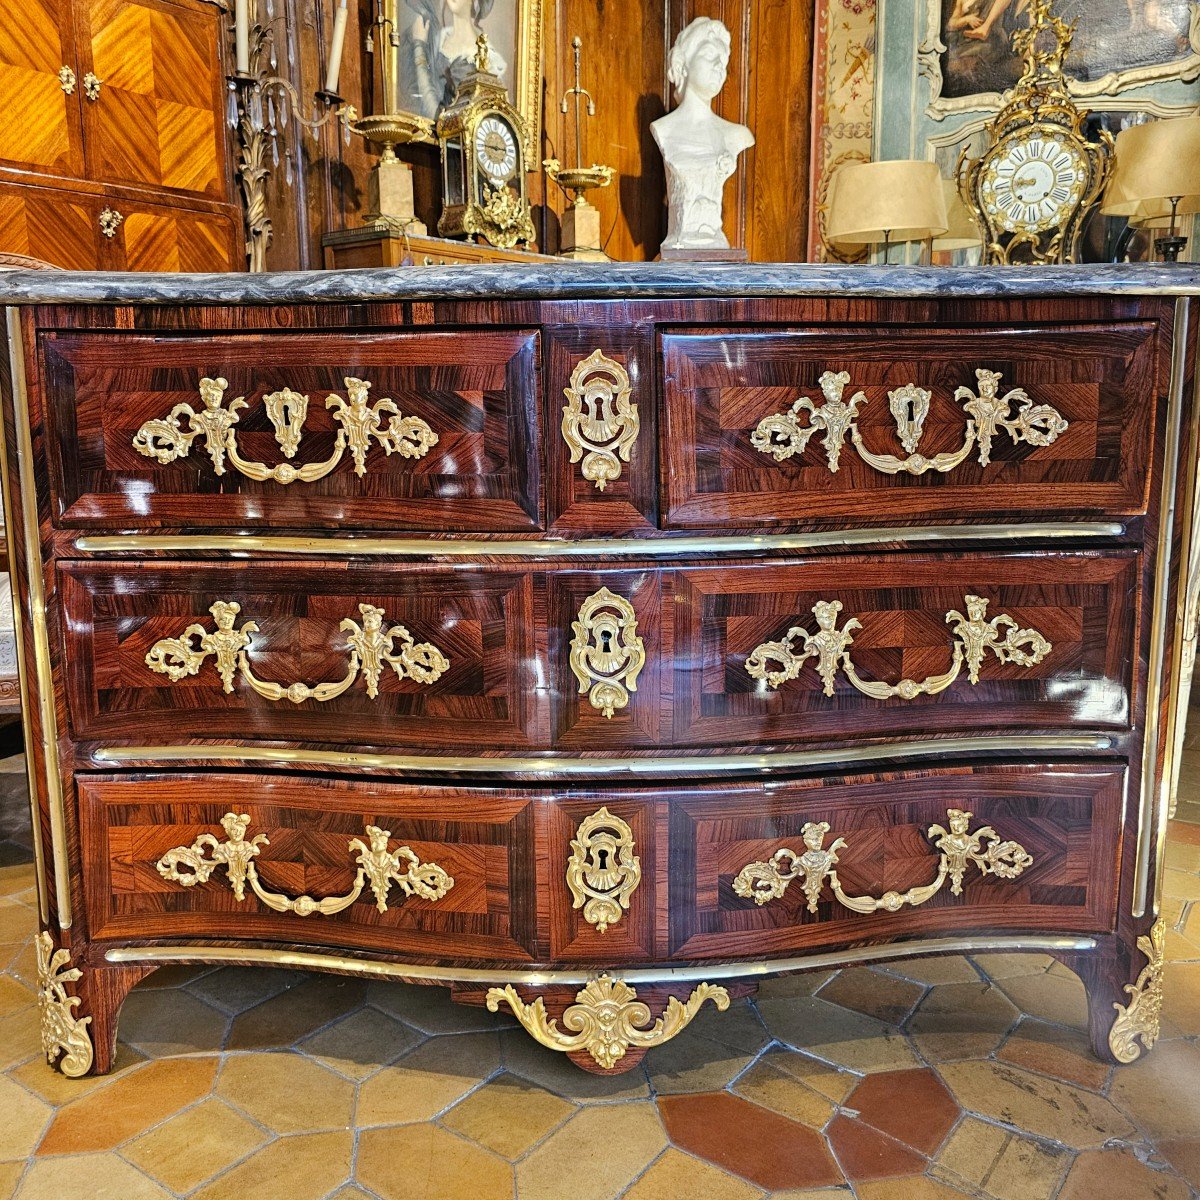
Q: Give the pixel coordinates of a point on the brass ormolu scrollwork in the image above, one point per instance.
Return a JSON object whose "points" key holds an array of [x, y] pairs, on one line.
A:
{"points": [[606, 653], [371, 648], [168, 438], [602, 871], [600, 423], [1139, 1020], [65, 1036], [378, 866], [816, 866], [606, 1018], [974, 637], [782, 435]]}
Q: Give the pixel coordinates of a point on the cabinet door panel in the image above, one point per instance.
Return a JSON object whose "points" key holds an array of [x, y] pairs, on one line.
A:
{"points": [[156, 119], [177, 240], [60, 228], [41, 130]]}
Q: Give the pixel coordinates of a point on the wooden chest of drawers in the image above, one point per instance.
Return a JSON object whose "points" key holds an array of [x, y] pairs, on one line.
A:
{"points": [[596, 642]]}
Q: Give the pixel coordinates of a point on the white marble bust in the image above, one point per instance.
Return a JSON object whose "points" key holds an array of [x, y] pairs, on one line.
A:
{"points": [[699, 148]]}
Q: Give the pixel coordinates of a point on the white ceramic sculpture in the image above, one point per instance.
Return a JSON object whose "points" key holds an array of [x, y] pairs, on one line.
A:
{"points": [[699, 148]]}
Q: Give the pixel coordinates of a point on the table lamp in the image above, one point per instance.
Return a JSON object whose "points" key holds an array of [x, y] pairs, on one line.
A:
{"points": [[898, 201], [962, 230], [1157, 175]]}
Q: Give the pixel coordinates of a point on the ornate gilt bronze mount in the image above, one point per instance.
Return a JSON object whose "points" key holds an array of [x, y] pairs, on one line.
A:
{"points": [[974, 637], [166, 439], [370, 645], [603, 872], [783, 435], [1138, 1021], [377, 865], [600, 423], [606, 653], [65, 1036], [816, 865], [606, 1018]]}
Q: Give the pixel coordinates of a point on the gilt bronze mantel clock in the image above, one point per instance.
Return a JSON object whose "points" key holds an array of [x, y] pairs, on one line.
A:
{"points": [[1039, 178], [482, 138]]}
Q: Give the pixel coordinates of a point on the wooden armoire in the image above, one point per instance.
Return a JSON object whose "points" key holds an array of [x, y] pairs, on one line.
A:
{"points": [[113, 148]]}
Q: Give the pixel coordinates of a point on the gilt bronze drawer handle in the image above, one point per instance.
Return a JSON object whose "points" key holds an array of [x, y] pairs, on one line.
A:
{"points": [[974, 637], [370, 646], [782, 435], [603, 871], [606, 1018], [600, 423], [165, 439], [766, 881], [377, 865], [606, 653]]}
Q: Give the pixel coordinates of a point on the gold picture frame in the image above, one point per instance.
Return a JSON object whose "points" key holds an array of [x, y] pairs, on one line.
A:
{"points": [[394, 36]]}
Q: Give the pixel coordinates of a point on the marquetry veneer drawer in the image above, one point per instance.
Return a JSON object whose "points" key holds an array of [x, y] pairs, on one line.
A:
{"points": [[159, 863], [1047, 861], [883, 426], [511, 658], [418, 430]]}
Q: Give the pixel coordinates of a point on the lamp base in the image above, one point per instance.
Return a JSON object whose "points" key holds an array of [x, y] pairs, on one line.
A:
{"points": [[1171, 247], [580, 233], [390, 196]]}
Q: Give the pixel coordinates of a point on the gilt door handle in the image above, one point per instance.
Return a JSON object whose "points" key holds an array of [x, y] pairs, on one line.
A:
{"points": [[66, 80], [816, 865], [377, 865], [92, 85], [361, 425], [371, 647], [110, 221], [974, 638]]}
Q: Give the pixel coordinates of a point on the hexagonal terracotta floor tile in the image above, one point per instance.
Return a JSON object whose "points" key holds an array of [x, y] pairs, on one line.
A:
{"points": [[914, 1107], [750, 1141]]}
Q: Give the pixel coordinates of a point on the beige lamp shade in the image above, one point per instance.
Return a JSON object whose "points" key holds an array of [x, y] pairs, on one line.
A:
{"points": [[1155, 162], [962, 231], [899, 201]]}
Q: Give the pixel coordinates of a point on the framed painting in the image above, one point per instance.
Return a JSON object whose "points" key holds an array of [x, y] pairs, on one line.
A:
{"points": [[967, 53], [432, 49]]}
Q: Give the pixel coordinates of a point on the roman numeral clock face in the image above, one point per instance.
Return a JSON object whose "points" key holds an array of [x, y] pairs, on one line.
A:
{"points": [[495, 149], [1033, 182]]}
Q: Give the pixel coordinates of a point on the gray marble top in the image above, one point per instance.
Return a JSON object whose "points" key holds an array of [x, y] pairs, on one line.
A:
{"points": [[595, 281]]}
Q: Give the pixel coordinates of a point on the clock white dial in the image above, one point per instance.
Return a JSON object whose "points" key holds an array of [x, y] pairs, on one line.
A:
{"points": [[1033, 183], [496, 149]]}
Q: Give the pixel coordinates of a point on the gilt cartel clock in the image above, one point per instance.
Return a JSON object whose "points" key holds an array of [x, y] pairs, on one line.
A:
{"points": [[482, 138], [1040, 177]]}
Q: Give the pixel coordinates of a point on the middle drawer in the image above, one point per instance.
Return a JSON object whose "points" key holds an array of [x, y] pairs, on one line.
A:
{"points": [[435, 659]]}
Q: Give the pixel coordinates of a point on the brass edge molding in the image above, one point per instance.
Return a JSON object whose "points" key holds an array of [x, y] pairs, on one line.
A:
{"points": [[23, 671], [248, 544], [41, 643], [1153, 799], [777, 662], [758, 968], [763, 882], [1139, 1020], [607, 1018], [165, 439], [607, 656], [377, 865], [65, 1036], [600, 423], [369, 646], [602, 871], [781, 435], [601, 767]]}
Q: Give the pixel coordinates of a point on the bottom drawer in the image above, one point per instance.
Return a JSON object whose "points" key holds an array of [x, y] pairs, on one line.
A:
{"points": [[767, 870], [594, 876], [166, 857]]}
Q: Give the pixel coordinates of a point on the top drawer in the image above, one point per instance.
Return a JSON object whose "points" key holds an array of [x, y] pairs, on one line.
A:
{"points": [[421, 431], [887, 426]]}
